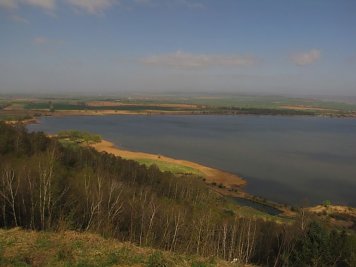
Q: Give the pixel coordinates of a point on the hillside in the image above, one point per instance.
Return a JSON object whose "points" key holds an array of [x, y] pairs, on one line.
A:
{"points": [[68, 248], [50, 187]]}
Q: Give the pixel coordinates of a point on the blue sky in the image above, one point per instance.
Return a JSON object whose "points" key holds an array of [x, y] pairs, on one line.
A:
{"points": [[112, 46]]}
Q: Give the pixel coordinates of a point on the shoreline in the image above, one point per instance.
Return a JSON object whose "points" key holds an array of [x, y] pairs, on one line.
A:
{"points": [[231, 185], [228, 180]]}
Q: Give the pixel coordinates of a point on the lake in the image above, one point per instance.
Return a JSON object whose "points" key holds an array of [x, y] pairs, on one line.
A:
{"points": [[294, 160]]}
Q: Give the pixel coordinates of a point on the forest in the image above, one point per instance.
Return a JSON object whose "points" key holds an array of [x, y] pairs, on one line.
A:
{"points": [[47, 186]]}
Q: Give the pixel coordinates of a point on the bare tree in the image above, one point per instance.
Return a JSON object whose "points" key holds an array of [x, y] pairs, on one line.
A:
{"points": [[114, 204], [177, 224], [153, 210], [94, 197], [8, 190], [46, 173]]}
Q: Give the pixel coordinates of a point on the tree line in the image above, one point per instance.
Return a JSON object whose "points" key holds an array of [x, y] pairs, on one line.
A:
{"points": [[47, 186]]}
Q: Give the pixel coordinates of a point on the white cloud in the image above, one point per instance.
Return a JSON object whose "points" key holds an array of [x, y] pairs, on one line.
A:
{"points": [[12, 4], [19, 19], [143, 2], [9, 4], [182, 59], [89, 6], [306, 58], [92, 6], [97, 6], [45, 4], [190, 4], [40, 40]]}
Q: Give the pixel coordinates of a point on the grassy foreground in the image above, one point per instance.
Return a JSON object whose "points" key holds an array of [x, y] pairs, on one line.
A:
{"points": [[69, 248]]}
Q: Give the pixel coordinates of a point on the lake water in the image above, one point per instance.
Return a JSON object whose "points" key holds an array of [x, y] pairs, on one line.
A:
{"points": [[296, 160]]}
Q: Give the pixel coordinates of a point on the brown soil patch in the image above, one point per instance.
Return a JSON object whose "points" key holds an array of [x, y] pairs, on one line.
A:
{"points": [[306, 108], [103, 103], [93, 112], [211, 175], [113, 112], [117, 104]]}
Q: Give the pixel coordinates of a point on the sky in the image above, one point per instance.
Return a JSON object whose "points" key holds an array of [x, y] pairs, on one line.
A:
{"points": [[215, 46]]}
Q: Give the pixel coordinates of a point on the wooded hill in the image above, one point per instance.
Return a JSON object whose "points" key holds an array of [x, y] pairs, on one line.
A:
{"points": [[47, 186]]}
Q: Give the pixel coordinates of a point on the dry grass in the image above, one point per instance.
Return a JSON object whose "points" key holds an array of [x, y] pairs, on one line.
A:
{"points": [[330, 209], [342, 216]]}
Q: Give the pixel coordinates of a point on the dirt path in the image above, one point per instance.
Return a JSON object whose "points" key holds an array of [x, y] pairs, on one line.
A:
{"points": [[229, 180]]}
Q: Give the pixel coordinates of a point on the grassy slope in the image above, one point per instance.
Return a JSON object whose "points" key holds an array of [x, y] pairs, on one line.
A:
{"points": [[29, 248]]}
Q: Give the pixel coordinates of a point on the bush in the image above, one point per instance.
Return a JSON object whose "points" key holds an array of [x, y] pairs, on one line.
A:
{"points": [[79, 136], [157, 260]]}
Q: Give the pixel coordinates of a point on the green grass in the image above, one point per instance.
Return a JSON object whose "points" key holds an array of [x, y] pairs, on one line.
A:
{"points": [[68, 248], [249, 212], [79, 136], [171, 167], [14, 117]]}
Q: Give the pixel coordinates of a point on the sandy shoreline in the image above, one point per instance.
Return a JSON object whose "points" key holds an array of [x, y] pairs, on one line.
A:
{"points": [[229, 180]]}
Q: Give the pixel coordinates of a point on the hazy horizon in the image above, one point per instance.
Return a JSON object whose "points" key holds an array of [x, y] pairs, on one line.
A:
{"points": [[108, 47]]}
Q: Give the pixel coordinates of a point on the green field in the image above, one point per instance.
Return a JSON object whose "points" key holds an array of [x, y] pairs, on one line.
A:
{"points": [[170, 167], [223, 104], [14, 117], [272, 102], [205, 102], [251, 101], [68, 106]]}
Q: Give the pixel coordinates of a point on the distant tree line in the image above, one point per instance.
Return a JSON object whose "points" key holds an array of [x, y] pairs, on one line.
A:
{"points": [[47, 186]]}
